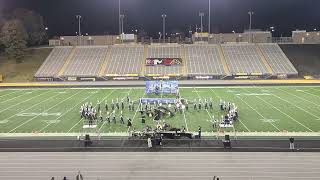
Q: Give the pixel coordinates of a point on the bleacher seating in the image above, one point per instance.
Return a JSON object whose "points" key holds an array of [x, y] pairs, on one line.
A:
{"points": [[54, 62], [277, 60], [203, 60], [197, 59], [243, 58], [86, 61], [125, 60], [164, 52]]}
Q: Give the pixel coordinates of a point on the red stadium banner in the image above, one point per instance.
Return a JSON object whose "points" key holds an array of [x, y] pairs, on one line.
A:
{"points": [[163, 61]]}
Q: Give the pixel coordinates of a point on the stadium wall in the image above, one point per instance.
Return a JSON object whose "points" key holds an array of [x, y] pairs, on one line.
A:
{"points": [[305, 58]]}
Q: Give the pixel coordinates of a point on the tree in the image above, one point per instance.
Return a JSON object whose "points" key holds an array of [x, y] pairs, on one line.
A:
{"points": [[33, 24], [14, 38]]}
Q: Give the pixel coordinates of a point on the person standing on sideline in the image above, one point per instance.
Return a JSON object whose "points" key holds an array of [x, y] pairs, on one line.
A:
{"points": [[149, 142], [291, 143]]}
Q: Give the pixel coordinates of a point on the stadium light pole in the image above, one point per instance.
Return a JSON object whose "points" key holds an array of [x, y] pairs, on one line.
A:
{"points": [[164, 16], [121, 20], [79, 28], [209, 23], [79, 23], [119, 17], [201, 14], [250, 25]]}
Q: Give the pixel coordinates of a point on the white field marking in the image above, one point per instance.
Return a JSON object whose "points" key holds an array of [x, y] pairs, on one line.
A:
{"points": [[43, 111], [7, 94], [44, 114], [197, 91], [258, 112], [13, 98], [62, 92], [206, 109], [231, 91], [54, 121], [65, 112], [299, 97], [238, 118], [94, 107], [252, 94], [285, 114], [128, 93], [296, 106], [269, 120], [32, 106], [310, 93], [93, 92], [244, 125], [24, 101], [136, 111], [4, 121]]}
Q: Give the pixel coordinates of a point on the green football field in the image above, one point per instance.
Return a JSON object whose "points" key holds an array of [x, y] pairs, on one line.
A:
{"points": [[261, 109]]}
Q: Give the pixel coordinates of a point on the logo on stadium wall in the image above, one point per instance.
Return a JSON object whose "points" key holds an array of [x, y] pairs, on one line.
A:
{"points": [[163, 61]]}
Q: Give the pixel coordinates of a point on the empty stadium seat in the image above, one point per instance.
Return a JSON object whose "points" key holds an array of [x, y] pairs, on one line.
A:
{"points": [[243, 58], [86, 61], [54, 62], [277, 60], [125, 60], [203, 60]]}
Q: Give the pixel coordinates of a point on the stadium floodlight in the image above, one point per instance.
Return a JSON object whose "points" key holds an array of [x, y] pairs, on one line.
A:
{"points": [[164, 16], [46, 28], [315, 29], [250, 25], [233, 31]]}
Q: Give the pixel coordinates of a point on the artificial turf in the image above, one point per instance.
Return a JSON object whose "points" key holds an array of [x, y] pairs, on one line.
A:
{"points": [[261, 109]]}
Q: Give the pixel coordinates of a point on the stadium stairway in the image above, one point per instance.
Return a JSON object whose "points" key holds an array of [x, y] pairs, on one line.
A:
{"points": [[67, 61], [105, 62], [264, 60], [143, 62], [223, 61], [184, 63]]}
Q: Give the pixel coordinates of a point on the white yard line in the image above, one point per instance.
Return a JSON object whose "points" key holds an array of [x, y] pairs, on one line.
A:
{"points": [[238, 118], [66, 112], [258, 112], [201, 98], [299, 97], [8, 94], [31, 107], [138, 108], [284, 113], [43, 111], [94, 107], [13, 98], [106, 120], [24, 101], [244, 125], [311, 93], [296, 106]]}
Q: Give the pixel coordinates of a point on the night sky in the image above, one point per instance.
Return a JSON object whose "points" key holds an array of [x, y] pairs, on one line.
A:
{"points": [[101, 16]]}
